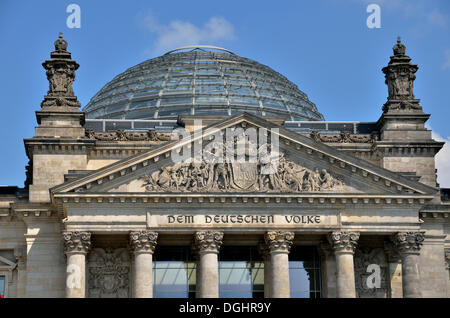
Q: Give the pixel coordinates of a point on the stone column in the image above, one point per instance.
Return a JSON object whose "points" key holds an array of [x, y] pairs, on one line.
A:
{"points": [[328, 262], [207, 245], [408, 245], [279, 244], [143, 245], [395, 271], [265, 254], [76, 245], [344, 245]]}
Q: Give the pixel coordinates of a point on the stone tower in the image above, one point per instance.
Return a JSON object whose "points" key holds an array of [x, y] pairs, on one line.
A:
{"points": [[405, 144], [59, 143]]}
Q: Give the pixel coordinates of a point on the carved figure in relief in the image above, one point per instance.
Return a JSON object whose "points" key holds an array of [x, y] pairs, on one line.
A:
{"points": [[271, 173], [327, 180]]}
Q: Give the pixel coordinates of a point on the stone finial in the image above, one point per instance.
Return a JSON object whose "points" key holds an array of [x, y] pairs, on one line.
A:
{"points": [[408, 242], [279, 241], [399, 48], [343, 241], [60, 43], [208, 241], [61, 75], [143, 241], [400, 76], [77, 242]]}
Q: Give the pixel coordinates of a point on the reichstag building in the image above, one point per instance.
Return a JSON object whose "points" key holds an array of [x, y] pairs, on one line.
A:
{"points": [[201, 173]]}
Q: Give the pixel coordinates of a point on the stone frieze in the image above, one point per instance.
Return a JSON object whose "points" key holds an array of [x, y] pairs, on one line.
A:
{"points": [[262, 176], [121, 135]]}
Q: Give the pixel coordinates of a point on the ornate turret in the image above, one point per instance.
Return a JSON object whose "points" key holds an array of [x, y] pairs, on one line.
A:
{"points": [[60, 74], [59, 143], [60, 115], [399, 78], [405, 143]]}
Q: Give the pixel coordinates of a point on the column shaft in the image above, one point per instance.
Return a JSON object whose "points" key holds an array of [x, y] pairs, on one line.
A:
{"points": [[279, 269], [344, 244], [279, 244], [143, 244], [143, 275], [207, 245], [411, 276], [345, 274], [408, 245], [209, 275], [76, 279], [77, 245]]}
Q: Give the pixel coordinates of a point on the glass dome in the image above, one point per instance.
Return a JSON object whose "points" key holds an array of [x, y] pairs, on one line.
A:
{"points": [[200, 80]]}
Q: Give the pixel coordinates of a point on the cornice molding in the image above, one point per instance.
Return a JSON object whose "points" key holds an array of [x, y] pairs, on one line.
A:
{"points": [[392, 180], [305, 198]]}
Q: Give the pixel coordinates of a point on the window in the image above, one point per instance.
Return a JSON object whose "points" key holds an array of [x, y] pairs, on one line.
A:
{"points": [[304, 272], [241, 272], [173, 272], [2, 286]]}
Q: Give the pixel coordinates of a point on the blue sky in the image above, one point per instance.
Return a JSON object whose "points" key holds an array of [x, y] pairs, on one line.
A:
{"points": [[325, 47]]}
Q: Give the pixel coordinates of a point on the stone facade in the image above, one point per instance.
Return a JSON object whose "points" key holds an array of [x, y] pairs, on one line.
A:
{"points": [[369, 203]]}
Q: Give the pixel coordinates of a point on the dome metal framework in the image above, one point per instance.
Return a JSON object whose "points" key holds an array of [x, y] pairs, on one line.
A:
{"points": [[200, 80]]}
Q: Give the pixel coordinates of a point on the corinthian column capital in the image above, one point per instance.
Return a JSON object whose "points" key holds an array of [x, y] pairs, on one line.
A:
{"points": [[279, 241], [143, 241], [208, 241], [343, 241], [408, 242], [76, 242]]}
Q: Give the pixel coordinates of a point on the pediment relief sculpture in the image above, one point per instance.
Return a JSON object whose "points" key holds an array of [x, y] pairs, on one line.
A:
{"points": [[265, 175]]}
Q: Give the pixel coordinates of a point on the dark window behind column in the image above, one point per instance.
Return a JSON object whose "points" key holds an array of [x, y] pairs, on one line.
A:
{"points": [[304, 272], [173, 272], [241, 272]]}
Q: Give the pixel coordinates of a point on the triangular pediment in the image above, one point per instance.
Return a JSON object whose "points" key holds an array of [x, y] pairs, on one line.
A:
{"points": [[297, 165]]}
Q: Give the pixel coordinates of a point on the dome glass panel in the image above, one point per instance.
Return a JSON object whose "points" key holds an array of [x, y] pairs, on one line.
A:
{"points": [[203, 81]]}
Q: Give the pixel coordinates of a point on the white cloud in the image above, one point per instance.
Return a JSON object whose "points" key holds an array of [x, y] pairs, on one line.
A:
{"points": [[446, 63], [442, 160], [181, 33]]}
